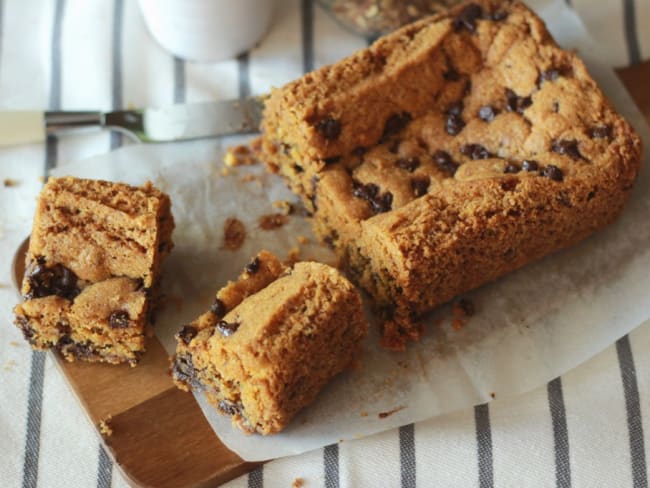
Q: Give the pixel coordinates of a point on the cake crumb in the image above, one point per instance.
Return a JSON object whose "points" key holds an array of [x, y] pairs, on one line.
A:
{"points": [[14, 344], [234, 234], [240, 155], [105, 426], [383, 415], [303, 240], [493, 395], [249, 177], [364, 414], [297, 483], [3, 285], [285, 207], [225, 171], [41, 178], [9, 182], [272, 221], [9, 365]]}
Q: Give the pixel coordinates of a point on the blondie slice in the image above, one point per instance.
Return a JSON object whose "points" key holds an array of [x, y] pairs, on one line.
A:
{"points": [[93, 267], [449, 153], [271, 341]]}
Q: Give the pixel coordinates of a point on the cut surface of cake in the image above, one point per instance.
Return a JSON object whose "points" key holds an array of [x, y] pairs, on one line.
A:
{"points": [[449, 153], [93, 268], [271, 341]]}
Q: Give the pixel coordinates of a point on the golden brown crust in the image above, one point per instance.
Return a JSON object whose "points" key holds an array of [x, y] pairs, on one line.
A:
{"points": [[450, 153]]}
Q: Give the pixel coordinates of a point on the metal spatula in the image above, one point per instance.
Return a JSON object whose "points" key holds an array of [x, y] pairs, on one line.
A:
{"points": [[172, 123]]}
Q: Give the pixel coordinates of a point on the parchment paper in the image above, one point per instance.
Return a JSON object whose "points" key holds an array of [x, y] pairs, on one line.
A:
{"points": [[530, 326]]}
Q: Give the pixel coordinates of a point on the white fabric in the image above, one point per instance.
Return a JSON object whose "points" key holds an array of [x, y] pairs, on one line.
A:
{"points": [[523, 451]]}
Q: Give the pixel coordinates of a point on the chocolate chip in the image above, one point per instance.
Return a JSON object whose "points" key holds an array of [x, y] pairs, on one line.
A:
{"points": [[467, 18], [396, 123], [451, 75], [119, 319], [511, 168], [420, 185], [475, 151], [44, 281], [529, 165], [359, 151], [332, 160], [515, 103], [602, 132], [229, 408], [556, 107], [329, 128], [185, 372], [467, 307], [394, 146], [370, 193], [227, 328], [550, 75], [298, 168], [456, 108], [218, 308], [454, 124], [487, 113], [366, 192], [253, 266], [445, 162], [382, 203], [187, 333], [498, 16], [409, 164], [567, 147], [552, 172]]}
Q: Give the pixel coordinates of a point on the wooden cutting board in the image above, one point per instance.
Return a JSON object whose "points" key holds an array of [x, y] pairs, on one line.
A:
{"points": [[159, 434]]}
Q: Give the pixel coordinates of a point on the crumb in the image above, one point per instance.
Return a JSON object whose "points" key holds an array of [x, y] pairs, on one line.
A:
{"points": [[297, 483], [240, 155], [234, 234], [285, 207], [249, 177], [493, 395], [272, 221], [303, 240], [364, 414], [3, 285], [9, 365], [41, 178], [293, 256], [10, 182], [14, 344], [383, 415], [105, 426], [225, 171]]}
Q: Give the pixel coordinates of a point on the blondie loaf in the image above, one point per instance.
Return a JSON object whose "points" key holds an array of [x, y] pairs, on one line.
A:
{"points": [[93, 267], [449, 153], [271, 341]]}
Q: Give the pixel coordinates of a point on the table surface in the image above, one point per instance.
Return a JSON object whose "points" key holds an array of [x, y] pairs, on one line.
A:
{"points": [[584, 429]]}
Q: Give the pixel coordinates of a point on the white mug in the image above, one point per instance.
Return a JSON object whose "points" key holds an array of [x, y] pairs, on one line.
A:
{"points": [[207, 30]]}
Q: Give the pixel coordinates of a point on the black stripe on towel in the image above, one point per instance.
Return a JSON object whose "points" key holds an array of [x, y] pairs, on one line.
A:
{"points": [[331, 462], [484, 446], [407, 456], [560, 433]]}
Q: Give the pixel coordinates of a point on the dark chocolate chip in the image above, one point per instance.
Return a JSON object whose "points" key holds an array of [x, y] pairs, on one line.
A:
{"points": [[298, 168], [420, 185], [218, 308], [366, 192], [119, 319], [487, 113], [227, 328], [332, 160], [370, 193], [498, 16], [409, 164], [44, 281], [187, 333], [253, 266], [529, 165], [456, 108], [556, 107], [511, 168], [229, 408], [396, 123], [454, 124], [515, 103], [184, 371], [567, 147], [552, 172], [467, 18], [467, 307], [445, 162], [359, 151], [475, 151], [329, 128], [451, 75], [382, 203], [602, 132], [394, 146], [550, 75]]}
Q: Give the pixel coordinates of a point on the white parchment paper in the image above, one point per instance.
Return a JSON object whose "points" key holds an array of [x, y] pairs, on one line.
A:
{"points": [[531, 326]]}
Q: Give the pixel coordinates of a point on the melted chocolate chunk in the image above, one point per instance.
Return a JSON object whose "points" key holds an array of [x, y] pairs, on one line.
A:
{"points": [[409, 164], [511, 168], [602, 132], [382, 203], [253, 266], [529, 165], [396, 123], [229, 408], [475, 151], [451, 75], [420, 185], [515, 103], [552, 172], [187, 333], [454, 124], [332, 160], [370, 193], [227, 328], [467, 18], [329, 128], [366, 192], [218, 308], [445, 162], [57, 280], [567, 148], [487, 113], [119, 319]]}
